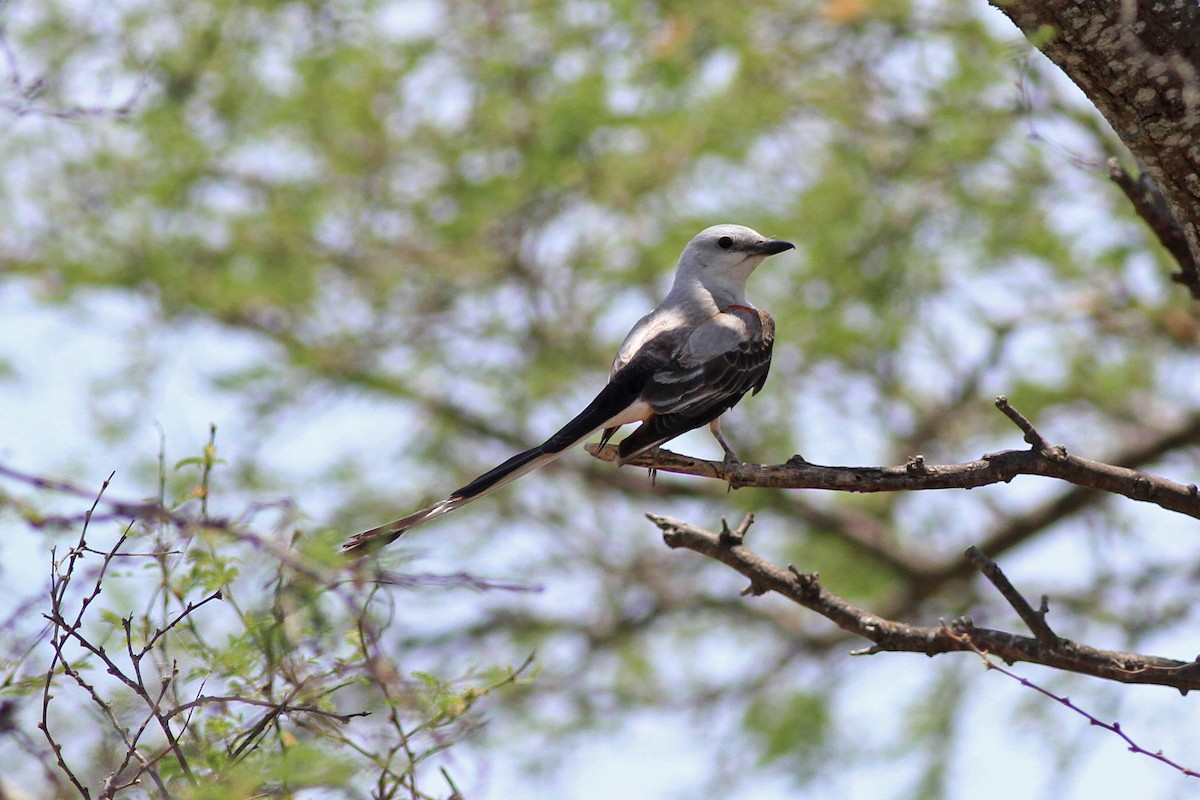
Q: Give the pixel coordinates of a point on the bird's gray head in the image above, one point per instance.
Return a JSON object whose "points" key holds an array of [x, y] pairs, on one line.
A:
{"points": [[722, 257]]}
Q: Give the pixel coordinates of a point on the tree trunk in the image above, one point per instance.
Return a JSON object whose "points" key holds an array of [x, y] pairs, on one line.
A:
{"points": [[1139, 63]]}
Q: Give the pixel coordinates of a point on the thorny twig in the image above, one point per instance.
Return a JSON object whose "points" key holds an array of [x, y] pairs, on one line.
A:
{"points": [[1112, 727]]}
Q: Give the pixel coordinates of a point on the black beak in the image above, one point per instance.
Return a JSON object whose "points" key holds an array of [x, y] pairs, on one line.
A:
{"points": [[772, 247]]}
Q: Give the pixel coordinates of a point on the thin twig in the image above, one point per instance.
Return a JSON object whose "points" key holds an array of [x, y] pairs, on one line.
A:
{"points": [[1032, 436], [1112, 727], [207, 699]]}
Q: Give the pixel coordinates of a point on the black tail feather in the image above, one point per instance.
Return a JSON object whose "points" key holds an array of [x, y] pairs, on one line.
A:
{"points": [[612, 400], [493, 476]]}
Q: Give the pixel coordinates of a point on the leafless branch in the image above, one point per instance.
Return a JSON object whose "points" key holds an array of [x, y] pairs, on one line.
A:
{"points": [[888, 635], [58, 588], [1035, 620], [1041, 459]]}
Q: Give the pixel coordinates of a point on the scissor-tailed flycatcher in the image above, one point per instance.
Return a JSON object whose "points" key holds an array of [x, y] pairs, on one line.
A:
{"points": [[683, 365]]}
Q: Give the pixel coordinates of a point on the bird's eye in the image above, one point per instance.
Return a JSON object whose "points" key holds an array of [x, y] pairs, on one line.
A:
{"points": [[725, 243]]}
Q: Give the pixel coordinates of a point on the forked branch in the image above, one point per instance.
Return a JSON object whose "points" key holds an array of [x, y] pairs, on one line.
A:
{"points": [[960, 635]]}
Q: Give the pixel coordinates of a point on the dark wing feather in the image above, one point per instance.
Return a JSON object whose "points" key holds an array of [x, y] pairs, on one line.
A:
{"points": [[688, 397], [768, 336]]}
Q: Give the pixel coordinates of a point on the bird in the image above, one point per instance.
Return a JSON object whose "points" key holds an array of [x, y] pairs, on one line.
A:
{"points": [[682, 366]]}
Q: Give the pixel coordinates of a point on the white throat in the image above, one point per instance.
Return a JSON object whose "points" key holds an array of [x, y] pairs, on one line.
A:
{"points": [[712, 287]]}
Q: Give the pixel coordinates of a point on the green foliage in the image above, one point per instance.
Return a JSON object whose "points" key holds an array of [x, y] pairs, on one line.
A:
{"points": [[290, 768], [793, 728], [264, 697]]}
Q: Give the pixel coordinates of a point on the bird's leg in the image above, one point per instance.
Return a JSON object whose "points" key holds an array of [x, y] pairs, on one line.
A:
{"points": [[730, 456], [653, 473]]}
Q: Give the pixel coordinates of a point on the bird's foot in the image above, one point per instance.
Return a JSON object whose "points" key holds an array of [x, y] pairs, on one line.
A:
{"points": [[653, 452], [731, 457], [728, 465]]}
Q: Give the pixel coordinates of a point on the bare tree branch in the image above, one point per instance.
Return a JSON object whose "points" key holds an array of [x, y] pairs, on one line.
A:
{"points": [[1041, 459], [1035, 620], [1027, 525], [888, 635]]}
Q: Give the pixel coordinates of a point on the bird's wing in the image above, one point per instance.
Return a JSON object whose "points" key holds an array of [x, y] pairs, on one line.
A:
{"points": [[723, 359]]}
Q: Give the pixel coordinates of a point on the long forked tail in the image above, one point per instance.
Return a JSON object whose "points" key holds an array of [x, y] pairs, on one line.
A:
{"points": [[616, 405], [509, 471]]}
